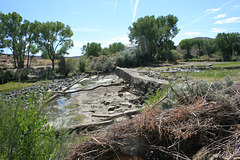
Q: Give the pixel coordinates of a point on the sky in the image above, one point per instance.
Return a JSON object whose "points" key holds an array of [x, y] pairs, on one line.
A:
{"points": [[107, 21]]}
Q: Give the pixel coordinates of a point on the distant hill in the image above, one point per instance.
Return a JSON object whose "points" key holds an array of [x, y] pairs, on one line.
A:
{"points": [[203, 38], [193, 50]]}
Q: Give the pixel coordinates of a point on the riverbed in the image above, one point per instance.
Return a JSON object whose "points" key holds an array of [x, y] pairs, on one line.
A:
{"points": [[79, 108]]}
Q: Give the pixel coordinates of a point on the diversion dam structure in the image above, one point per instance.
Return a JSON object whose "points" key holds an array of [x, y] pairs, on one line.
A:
{"points": [[140, 82]]}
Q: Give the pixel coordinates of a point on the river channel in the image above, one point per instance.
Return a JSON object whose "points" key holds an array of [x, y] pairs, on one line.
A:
{"points": [[78, 108]]}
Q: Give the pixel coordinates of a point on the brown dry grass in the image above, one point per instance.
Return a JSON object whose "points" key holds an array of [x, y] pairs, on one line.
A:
{"points": [[7, 62], [176, 133]]}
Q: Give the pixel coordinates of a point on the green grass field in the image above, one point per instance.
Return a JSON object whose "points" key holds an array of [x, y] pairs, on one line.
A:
{"points": [[225, 65], [209, 75], [11, 86]]}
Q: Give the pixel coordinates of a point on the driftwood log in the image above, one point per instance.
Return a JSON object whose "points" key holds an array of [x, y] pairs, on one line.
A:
{"points": [[90, 126], [66, 88], [127, 113], [90, 89]]}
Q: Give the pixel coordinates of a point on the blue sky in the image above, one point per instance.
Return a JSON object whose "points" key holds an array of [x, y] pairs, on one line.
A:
{"points": [[107, 21]]}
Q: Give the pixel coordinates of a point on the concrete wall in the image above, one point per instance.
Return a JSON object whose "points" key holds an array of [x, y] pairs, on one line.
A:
{"points": [[142, 83]]}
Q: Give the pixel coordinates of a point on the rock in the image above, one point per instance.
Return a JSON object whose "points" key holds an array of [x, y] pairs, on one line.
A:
{"points": [[106, 103], [120, 94], [111, 108]]}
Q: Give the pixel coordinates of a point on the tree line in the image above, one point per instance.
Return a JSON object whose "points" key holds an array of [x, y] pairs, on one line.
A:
{"points": [[95, 49], [152, 36], [25, 38], [226, 45]]}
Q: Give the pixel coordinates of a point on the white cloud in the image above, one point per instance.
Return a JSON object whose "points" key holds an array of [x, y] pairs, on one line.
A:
{"points": [[213, 10], [78, 43], [115, 7], [176, 41], [135, 10], [229, 20], [210, 11], [220, 16], [192, 33], [218, 30], [236, 6]]}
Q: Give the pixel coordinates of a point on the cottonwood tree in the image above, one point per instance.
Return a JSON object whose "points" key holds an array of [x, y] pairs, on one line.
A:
{"points": [[154, 35], [198, 44], [11, 25], [187, 45], [19, 36], [55, 39], [33, 30], [2, 36], [228, 44], [209, 47]]}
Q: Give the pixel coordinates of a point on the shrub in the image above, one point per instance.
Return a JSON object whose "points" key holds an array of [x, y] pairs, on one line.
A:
{"points": [[128, 58], [174, 56], [24, 75], [104, 64], [65, 66], [82, 64], [186, 93], [24, 132], [109, 65]]}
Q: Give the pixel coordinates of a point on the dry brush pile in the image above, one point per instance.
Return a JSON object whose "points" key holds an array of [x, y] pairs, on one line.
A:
{"points": [[204, 123]]}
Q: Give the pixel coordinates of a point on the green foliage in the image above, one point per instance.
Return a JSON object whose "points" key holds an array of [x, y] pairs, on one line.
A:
{"points": [[185, 93], [116, 47], [55, 39], [102, 64], [48, 74], [19, 36], [228, 44], [154, 35], [209, 47], [18, 75], [65, 66], [24, 133], [93, 49], [186, 44], [105, 51], [128, 58], [174, 56], [82, 64]]}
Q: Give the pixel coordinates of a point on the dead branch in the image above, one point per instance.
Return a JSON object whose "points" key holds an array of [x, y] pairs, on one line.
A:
{"points": [[159, 102]]}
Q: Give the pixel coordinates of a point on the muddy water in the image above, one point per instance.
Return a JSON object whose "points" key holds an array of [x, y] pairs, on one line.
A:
{"points": [[78, 108]]}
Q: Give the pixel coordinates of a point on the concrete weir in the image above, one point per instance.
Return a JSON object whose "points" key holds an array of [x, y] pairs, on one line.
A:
{"points": [[140, 82]]}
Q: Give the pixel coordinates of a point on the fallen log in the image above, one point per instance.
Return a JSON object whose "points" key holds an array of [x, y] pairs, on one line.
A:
{"points": [[82, 127], [90, 89], [127, 113], [66, 88]]}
